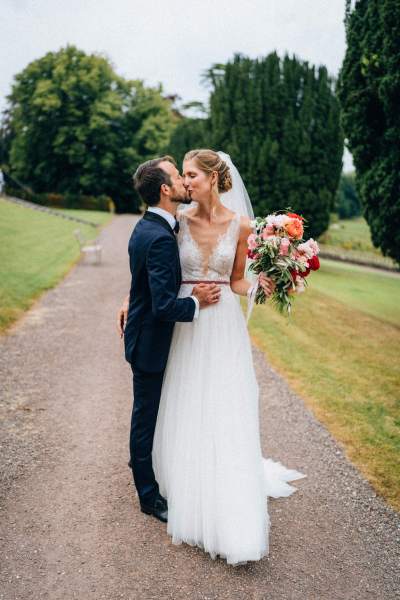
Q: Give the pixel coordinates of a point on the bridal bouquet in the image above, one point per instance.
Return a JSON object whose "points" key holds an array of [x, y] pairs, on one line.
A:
{"points": [[277, 248]]}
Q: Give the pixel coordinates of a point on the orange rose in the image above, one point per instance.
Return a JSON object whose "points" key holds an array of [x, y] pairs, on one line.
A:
{"points": [[294, 229], [295, 216]]}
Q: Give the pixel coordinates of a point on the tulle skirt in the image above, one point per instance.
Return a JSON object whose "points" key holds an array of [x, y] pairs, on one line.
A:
{"points": [[207, 455]]}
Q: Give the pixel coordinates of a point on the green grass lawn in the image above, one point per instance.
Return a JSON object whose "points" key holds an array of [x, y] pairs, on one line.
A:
{"points": [[376, 294], [340, 351], [350, 234], [351, 240], [36, 251], [94, 216]]}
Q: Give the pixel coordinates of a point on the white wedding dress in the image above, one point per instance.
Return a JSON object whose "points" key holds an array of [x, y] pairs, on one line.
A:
{"points": [[207, 456]]}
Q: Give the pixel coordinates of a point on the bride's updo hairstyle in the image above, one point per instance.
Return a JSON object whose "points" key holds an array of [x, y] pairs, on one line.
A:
{"points": [[209, 161]]}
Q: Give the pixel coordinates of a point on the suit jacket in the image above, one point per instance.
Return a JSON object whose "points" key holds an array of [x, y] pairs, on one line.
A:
{"points": [[153, 304]]}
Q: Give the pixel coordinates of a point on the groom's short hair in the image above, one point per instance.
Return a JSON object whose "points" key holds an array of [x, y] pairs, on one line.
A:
{"points": [[149, 177]]}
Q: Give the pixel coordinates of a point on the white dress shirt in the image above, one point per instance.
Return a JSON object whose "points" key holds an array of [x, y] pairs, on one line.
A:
{"points": [[163, 213], [171, 221]]}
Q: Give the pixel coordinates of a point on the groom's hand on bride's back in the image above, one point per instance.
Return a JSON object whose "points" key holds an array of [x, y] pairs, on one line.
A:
{"points": [[207, 293], [122, 317]]}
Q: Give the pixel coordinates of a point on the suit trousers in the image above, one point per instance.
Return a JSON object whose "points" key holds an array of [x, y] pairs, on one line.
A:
{"points": [[146, 393]]}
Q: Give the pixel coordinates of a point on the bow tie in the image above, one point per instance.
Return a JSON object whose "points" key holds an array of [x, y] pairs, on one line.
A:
{"points": [[176, 227]]}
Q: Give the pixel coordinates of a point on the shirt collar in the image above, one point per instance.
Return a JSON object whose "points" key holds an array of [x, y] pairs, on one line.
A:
{"points": [[163, 213]]}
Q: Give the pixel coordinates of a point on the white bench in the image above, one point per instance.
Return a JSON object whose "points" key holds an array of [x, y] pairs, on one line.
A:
{"points": [[88, 250]]}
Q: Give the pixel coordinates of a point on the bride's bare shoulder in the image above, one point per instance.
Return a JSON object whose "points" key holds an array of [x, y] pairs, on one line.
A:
{"points": [[185, 214], [245, 227]]}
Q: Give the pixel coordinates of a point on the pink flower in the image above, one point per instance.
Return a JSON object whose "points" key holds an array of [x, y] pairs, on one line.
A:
{"points": [[302, 258], [296, 255], [252, 241], [278, 221], [267, 231], [314, 246], [309, 248], [267, 236], [284, 247]]}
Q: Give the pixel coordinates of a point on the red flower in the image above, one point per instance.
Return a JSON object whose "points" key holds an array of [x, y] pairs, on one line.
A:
{"points": [[294, 274], [295, 216], [314, 263], [305, 273]]}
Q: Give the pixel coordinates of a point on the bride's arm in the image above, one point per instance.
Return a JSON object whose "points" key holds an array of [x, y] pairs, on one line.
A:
{"points": [[239, 284]]}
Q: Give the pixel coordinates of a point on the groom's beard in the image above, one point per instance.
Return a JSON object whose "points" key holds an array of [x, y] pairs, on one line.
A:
{"points": [[186, 199]]}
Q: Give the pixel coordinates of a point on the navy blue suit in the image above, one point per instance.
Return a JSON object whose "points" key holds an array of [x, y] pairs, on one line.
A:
{"points": [[153, 310]]}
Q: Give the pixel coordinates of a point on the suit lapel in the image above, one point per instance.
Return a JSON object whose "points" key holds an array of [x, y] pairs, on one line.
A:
{"points": [[155, 218], [149, 216]]}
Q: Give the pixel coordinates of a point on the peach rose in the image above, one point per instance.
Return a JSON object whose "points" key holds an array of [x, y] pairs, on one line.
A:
{"points": [[294, 229]]}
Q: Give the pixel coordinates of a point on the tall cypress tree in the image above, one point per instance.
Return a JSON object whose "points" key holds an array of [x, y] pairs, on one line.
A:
{"points": [[188, 134], [279, 121], [369, 91]]}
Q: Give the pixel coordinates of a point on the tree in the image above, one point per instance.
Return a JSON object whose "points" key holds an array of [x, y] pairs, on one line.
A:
{"points": [[188, 134], [74, 126], [369, 92], [279, 121], [191, 129], [347, 201]]}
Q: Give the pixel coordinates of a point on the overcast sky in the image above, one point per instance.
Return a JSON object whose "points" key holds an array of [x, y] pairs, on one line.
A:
{"points": [[173, 41]]}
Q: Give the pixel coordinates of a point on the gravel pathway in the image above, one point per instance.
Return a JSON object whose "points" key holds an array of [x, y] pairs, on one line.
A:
{"points": [[70, 523]]}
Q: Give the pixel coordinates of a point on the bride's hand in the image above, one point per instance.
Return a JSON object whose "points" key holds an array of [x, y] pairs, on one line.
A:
{"points": [[267, 284]]}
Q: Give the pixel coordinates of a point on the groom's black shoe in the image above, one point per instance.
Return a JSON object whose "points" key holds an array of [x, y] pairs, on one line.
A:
{"points": [[163, 501], [159, 509]]}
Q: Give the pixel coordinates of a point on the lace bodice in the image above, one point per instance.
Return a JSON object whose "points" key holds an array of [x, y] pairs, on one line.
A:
{"points": [[217, 266]]}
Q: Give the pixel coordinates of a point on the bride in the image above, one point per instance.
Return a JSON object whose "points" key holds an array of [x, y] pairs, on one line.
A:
{"points": [[207, 455]]}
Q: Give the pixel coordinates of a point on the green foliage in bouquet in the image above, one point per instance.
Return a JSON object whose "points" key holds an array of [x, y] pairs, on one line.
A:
{"points": [[276, 248], [280, 269]]}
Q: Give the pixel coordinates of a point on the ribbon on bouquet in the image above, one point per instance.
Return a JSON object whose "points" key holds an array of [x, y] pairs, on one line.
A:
{"points": [[251, 298]]}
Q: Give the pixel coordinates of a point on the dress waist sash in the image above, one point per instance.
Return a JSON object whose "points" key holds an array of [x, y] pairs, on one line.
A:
{"points": [[206, 281]]}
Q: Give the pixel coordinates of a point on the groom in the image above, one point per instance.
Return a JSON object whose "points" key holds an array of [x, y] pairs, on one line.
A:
{"points": [[150, 311]]}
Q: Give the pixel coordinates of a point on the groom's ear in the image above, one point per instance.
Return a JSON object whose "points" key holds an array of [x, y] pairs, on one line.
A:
{"points": [[165, 189]]}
